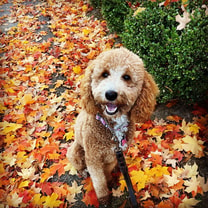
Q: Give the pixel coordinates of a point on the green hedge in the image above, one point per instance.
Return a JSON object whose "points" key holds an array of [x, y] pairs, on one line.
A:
{"points": [[115, 11], [178, 59]]}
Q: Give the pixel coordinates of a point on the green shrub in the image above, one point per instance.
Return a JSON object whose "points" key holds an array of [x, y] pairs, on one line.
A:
{"points": [[115, 12], [96, 3], [178, 59]]}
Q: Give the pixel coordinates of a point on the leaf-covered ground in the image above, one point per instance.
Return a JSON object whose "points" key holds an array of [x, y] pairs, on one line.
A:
{"points": [[45, 48]]}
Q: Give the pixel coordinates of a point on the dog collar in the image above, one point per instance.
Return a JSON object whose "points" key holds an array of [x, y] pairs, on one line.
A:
{"points": [[118, 133]]}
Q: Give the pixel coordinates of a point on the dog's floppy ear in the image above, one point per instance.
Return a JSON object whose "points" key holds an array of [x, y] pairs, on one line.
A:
{"points": [[146, 101], [87, 100]]}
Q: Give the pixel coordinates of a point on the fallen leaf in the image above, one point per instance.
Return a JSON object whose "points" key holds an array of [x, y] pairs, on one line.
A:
{"points": [[14, 200], [51, 201], [27, 99], [9, 127], [117, 192], [192, 144], [183, 21], [24, 184], [77, 69], [139, 179], [171, 180], [191, 184], [189, 128], [187, 203], [90, 198], [75, 188], [165, 204]]}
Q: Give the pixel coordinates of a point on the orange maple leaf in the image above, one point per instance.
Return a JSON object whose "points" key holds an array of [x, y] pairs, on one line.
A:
{"points": [[156, 159], [148, 203], [57, 167], [90, 198], [165, 204]]}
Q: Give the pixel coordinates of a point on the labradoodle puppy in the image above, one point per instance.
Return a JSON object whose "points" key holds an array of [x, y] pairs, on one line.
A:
{"points": [[116, 92]]}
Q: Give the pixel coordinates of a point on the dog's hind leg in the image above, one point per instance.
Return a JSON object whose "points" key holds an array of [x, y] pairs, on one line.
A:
{"points": [[76, 156], [108, 173]]}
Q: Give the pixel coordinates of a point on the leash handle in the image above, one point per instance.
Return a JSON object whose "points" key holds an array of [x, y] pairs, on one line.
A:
{"points": [[124, 170]]}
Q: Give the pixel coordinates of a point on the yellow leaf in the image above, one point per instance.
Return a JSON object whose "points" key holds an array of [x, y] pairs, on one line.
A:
{"points": [[77, 69], [9, 90], [156, 172], [45, 175], [194, 128], [184, 1], [156, 131], [2, 108], [84, 8], [189, 128], [8, 127], [69, 135], [139, 10], [122, 184], [53, 156], [9, 139], [27, 99], [139, 178], [2, 170], [38, 200], [86, 31], [51, 201], [24, 184]]}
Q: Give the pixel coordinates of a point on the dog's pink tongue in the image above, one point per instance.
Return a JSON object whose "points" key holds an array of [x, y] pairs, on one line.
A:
{"points": [[111, 108]]}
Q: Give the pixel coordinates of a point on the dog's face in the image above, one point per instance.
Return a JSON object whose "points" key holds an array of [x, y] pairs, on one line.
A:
{"points": [[116, 81]]}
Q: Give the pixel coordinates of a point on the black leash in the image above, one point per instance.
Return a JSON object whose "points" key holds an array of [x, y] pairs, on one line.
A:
{"points": [[124, 171], [121, 162]]}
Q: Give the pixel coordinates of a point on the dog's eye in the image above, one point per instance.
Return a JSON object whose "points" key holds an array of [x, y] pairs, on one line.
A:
{"points": [[126, 77], [105, 74]]}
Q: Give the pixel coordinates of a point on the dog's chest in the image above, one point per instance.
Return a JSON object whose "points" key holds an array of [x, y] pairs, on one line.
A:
{"points": [[120, 129]]}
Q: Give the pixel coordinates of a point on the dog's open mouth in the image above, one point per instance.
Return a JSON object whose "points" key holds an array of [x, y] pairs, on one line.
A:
{"points": [[111, 108]]}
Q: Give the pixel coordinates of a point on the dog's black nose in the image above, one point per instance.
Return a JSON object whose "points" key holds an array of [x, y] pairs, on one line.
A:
{"points": [[111, 95]]}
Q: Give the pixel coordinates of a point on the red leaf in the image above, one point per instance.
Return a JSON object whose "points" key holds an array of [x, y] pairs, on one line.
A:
{"points": [[176, 199], [147, 125], [90, 198], [199, 111], [178, 155], [26, 196], [46, 188]]}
